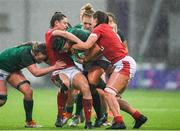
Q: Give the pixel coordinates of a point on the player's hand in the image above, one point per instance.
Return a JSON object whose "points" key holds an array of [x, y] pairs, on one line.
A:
{"points": [[81, 60], [59, 64], [73, 51]]}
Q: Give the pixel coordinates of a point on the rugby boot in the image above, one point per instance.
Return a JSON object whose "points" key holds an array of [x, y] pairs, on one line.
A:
{"points": [[75, 121], [66, 117], [140, 121], [32, 124], [59, 122], [117, 125], [88, 125]]}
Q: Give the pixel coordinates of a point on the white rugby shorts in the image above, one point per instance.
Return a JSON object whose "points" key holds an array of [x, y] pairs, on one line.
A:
{"points": [[70, 72], [3, 74], [126, 66]]}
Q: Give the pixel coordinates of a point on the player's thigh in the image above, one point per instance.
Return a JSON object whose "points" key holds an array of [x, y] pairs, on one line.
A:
{"points": [[18, 81], [65, 79], [15, 78], [80, 81], [94, 74], [118, 81]]}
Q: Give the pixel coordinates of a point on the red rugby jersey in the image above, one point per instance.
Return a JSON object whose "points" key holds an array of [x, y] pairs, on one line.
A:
{"points": [[112, 46], [53, 55]]}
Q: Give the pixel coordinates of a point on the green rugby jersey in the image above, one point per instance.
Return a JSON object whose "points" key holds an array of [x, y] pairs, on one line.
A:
{"points": [[79, 26], [82, 35], [16, 58]]}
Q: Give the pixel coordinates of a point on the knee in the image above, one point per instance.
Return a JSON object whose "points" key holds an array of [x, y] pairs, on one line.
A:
{"points": [[85, 89], [25, 88], [3, 99], [28, 93]]}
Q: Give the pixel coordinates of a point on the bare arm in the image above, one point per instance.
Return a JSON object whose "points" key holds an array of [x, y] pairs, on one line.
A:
{"points": [[36, 71], [86, 45], [66, 35], [93, 53]]}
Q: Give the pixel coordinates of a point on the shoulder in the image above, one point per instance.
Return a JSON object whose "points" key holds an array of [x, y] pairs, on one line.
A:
{"points": [[100, 29]]}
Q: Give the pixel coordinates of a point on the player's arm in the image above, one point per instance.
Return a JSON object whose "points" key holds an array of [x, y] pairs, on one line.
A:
{"points": [[36, 71], [66, 35], [88, 44], [93, 53]]}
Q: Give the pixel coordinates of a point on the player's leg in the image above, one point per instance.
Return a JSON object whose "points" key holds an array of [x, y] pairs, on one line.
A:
{"points": [[62, 95], [104, 109], [116, 83], [80, 81], [69, 106], [76, 119], [140, 119], [18, 81], [94, 76]]}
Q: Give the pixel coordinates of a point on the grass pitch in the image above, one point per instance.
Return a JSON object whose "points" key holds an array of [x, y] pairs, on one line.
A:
{"points": [[161, 107]]}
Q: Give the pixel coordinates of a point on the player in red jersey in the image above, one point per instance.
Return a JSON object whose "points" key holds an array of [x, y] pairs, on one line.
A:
{"points": [[124, 66], [70, 76]]}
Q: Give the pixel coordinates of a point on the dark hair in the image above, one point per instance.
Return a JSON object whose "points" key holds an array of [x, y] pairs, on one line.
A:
{"points": [[57, 16], [101, 17], [112, 16]]}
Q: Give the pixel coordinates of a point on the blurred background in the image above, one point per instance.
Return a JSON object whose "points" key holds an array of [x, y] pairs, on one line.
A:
{"points": [[150, 26]]}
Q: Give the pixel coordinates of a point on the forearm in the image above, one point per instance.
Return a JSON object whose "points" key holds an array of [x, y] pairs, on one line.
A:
{"points": [[44, 71], [67, 35], [81, 46], [40, 71], [93, 53], [85, 45], [72, 37]]}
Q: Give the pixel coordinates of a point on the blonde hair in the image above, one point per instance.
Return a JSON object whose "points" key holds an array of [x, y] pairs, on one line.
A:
{"points": [[86, 10], [88, 5]]}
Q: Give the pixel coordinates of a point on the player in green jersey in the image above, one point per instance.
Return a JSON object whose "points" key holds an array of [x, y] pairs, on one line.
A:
{"points": [[12, 60]]}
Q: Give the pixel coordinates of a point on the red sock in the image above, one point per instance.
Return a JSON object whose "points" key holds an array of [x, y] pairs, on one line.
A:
{"points": [[136, 114], [118, 119], [61, 102], [87, 105]]}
